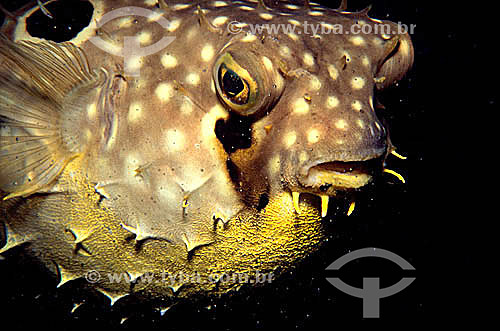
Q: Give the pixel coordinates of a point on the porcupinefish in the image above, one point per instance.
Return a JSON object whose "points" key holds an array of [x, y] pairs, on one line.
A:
{"points": [[216, 153]]}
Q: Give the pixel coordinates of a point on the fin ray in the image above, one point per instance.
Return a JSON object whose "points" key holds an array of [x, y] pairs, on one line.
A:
{"points": [[43, 88]]}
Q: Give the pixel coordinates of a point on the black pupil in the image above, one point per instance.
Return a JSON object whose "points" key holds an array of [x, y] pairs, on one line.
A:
{"points": [[232, 83]]}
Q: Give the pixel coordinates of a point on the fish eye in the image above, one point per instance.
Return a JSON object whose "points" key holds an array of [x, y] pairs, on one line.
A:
{"points": [[236, 86], [233, 86]]}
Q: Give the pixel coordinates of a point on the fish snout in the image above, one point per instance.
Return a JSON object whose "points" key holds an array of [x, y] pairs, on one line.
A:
{"points": [[339, 161]]}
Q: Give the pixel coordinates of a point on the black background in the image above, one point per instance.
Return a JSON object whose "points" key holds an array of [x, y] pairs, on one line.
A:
{"points": [[429, 221]]}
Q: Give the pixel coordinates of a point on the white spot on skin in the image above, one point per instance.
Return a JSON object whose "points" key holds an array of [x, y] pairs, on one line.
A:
{"points": [[240, 25], [360, 123], [134, 63], [268, 64], [357, 83], [285, 51], [341, 125], [155, 16], [333, 72], [377, 41], [315, 13], [193, 78], [313, 136], [91, 111], [181, 6], [174, 140], [207, 53], [134, 112], [365, 61], [173, 25], [164, 92], [292, 36], [300, 106], [308, 59], [327, 26], [144, 37], [332, 102], [290, 139], [248, 38], [246, 8], [315, 83], [125, 22], [220, 20], [356, 105], [357, 41], [266, 16], [168, 61], [219, 3]]}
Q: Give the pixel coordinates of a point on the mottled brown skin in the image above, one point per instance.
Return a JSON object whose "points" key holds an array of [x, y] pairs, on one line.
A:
{"points": [[143, 185]]}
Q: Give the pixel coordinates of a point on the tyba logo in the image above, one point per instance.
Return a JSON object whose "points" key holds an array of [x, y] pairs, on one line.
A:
{"points": [[371, 293], [131, 50]]}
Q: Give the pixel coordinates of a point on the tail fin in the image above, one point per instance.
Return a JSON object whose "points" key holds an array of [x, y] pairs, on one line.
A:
{"points": [[44, 87]]}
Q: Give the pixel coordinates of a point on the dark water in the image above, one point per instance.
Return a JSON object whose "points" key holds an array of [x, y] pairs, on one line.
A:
{"points": [[426, 221]]}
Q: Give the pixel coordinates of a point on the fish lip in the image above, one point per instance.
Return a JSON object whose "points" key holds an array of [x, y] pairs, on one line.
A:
{"points": [[377, 154], [327, 177]]}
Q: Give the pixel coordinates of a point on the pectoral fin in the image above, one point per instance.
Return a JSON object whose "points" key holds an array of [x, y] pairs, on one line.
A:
{"points": [[43, 89]]}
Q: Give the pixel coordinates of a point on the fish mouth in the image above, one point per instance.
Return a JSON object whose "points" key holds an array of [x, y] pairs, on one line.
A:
{"points": [[326, 179], [330, 177]]}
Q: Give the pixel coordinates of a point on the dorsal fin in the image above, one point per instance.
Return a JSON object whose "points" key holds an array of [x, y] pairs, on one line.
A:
{"points": [[43, 87]]}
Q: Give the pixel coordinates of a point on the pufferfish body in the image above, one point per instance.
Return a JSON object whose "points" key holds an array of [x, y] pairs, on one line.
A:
{"points": [[173, 138]]}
